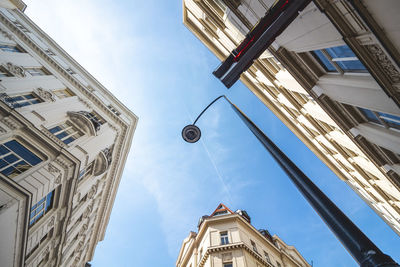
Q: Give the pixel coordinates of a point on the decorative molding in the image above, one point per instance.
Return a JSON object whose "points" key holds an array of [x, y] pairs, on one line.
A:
{"points": [[86, 103], [45, 94], [83, 230], [52, 137], [6, 34], [11, 123], [2, 130], [51, 222], [93, 191], [385, 63], [38, 115], [52, 169], [46, 251], [15, 70]]}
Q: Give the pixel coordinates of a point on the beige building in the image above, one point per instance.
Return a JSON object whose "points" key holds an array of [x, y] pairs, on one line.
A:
{"points": [[64, 140], [227, 239], [332, 76]]}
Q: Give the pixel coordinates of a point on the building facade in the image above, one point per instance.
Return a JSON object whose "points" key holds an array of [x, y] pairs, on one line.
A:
{"points": [[227, 239], [64, 140], [332, 76]]}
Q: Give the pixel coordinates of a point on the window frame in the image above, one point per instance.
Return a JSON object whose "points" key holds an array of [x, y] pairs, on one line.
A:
{"points": [[389, 121], [11, 48], [63, 129], [86, 172], [224, 238], [12, 154], [40, 213], [21, 103], [336, 62]]}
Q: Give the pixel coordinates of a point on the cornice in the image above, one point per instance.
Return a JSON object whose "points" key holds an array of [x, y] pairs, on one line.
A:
{"points": [[64, 73]]}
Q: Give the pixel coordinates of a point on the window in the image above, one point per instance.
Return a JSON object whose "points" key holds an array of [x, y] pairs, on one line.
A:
{"points": [[116, 112], [22, 100], [228, 264], [42, 240], [15, 158], [36, 71], [41, 208], [224, 238], [63, 93], [384, 119], [278, 264], [66, 132], [267, 257], [86, 171], [10, 48], [201, 253], [93, 116], [339, 59], [254, 246]]}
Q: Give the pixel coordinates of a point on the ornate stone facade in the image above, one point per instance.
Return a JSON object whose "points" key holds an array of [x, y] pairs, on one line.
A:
{"points": [[66, 230]]}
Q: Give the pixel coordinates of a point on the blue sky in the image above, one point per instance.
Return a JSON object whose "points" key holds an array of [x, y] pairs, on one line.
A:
{"points": [[143, 54]]}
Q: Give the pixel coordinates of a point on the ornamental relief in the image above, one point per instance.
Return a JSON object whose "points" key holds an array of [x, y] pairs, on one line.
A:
{"points": [[6, 34], [382, 59], [14, 69], [45, 94]]}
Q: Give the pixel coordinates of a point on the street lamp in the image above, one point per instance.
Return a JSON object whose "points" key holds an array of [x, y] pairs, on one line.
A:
{"points": [[361, 248]]}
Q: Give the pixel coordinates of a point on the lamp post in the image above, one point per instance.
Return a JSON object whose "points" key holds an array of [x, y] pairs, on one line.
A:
{"points": [[361, 248]]}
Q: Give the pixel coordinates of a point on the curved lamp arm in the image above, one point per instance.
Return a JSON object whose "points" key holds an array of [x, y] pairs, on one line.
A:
{"points": [[363, 250]]}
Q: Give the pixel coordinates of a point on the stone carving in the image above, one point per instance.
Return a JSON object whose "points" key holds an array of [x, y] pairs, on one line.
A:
{"points": [[2, 130], [384, 62], [45, 252], [6, 34], [11, 123], [88, 211], [45, 95], [15, 70], [93, 191], [83, 229], [76, 260], [58, 179], [51, 222], [52, 169], [79, 246]]}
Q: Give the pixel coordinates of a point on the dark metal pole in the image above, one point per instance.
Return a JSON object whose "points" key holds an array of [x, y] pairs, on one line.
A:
{"points": [[356, 242]]}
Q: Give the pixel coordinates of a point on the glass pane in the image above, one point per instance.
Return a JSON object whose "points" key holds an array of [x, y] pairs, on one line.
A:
{"points": [[3, 150], [11, 158], [351, 65], [55, 129], [3, 164], [23, 104], [370, 115], [9, 171], [16, 98], [68, 140], [29, 96], [61, 135], [340, 51], [323, 60], [24, 153]]}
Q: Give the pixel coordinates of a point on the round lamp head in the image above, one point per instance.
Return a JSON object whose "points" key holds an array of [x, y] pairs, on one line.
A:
{"points": [[191, 133]]}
